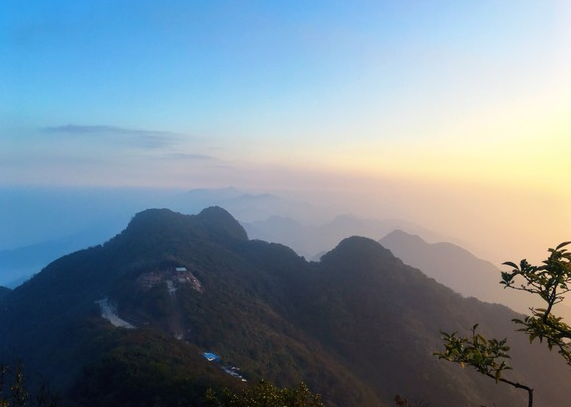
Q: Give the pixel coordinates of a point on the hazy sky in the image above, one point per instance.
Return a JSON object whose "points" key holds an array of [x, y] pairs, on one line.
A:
{"points": [[454, 114]]}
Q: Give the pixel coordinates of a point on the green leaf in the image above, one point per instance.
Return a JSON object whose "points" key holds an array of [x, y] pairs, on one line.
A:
{"points": [[511, 264]]}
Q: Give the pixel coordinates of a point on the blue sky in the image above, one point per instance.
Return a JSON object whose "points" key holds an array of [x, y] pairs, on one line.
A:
{"points": [[464, 99], [272, 74]]}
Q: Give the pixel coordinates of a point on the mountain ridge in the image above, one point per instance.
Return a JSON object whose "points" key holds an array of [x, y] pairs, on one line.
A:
{"points": [[359, 327], [456, 268]]}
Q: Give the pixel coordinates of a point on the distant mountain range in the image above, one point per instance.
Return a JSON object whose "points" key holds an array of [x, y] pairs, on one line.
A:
{"points": [[18, 265], [312, 241], [358, 327], [62, 221], [41, 226], [460, 270], [454, 267]]}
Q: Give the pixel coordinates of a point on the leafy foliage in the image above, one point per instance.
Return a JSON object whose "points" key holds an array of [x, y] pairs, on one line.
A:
{"points": [[551, 282], [266, 395], [14, 391], [482, 354], [403, 402]]}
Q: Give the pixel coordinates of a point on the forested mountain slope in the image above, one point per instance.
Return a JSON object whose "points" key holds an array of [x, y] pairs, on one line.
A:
{"points": [[358, 327]]}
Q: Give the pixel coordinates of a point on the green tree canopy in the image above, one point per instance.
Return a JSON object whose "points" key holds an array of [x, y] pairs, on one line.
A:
{"points": [[266, 395], [551, 281]]}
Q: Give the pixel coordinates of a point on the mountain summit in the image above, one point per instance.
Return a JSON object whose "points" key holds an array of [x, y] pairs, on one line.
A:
{"points": [[125, 323], [213, 222]]}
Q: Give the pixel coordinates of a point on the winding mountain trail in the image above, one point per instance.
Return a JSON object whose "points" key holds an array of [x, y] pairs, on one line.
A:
{"points": [[109, 312], [174, 321]]}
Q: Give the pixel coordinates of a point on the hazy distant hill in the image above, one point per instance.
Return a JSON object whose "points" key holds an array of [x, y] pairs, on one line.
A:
{"points": [[18, 265], [460, 270], [311, 240], [359, 326], [454, 267], [253, 207]]}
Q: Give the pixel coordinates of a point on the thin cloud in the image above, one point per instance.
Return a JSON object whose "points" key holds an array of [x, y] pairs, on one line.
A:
{"points": [[190, 157], [150, 139], [79, 129]]}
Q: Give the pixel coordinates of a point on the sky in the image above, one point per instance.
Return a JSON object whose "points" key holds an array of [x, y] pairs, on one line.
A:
{"points": [[452, 114]]}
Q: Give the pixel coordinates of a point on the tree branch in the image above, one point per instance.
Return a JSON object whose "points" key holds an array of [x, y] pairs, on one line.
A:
{"points": [[517, 386]]}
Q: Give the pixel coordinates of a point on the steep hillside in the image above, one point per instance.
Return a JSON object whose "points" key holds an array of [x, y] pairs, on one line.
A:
{"points": [[358, 327], [382, 317], [460, 270], [454, 267], [4, 291]]}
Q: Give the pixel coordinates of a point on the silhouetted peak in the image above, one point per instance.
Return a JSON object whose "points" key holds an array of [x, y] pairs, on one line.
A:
{"points": [[220, 223], [400, 239], [357, 247], [212, 223], [152, 218], [356, 241], [398, 235]]}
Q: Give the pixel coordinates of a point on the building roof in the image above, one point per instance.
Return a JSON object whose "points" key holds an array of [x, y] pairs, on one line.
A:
{"points": [[210, 356]]}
